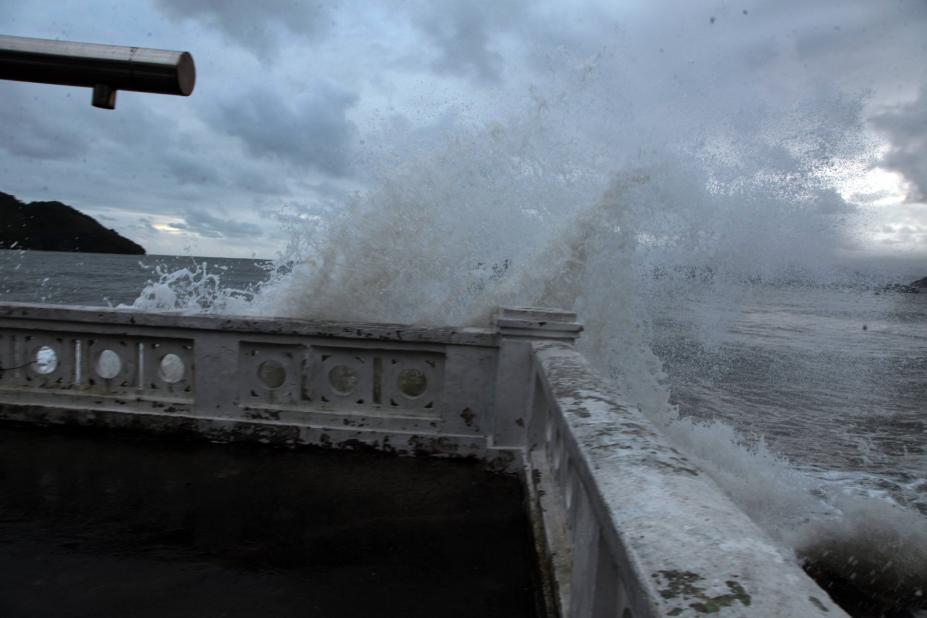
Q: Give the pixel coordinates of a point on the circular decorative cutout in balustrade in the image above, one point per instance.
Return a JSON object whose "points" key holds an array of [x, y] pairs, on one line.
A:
{"points": [[342, 379], [171, 368], [46, 360], [108, 365], [271, 374], [412, 383]]}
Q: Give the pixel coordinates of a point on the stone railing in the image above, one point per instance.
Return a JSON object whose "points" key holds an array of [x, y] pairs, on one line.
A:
{"points": [[625, 525], [390, 387], [632, 528]]}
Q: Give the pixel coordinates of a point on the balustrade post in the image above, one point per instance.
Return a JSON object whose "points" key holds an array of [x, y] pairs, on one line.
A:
{"points": [[216, 362], [518, 327]]}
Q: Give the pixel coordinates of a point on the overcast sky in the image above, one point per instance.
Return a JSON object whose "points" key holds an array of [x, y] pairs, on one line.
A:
{"points": [[303, 103]]}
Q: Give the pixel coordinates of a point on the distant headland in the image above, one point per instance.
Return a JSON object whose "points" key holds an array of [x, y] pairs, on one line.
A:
{"points": [[53, 226], [915, 287]]}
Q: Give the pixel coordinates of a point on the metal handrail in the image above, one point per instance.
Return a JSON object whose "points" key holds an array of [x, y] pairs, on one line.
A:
{"points": [[105, 68]]}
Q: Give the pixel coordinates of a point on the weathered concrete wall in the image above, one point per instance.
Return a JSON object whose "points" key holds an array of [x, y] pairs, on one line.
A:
{"points": [[629, 528], [345, 385], [634, 528]]}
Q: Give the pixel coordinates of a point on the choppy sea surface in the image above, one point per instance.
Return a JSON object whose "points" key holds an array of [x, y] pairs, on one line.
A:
{"points": [[834, 379], [98, 279], [826, 382]]}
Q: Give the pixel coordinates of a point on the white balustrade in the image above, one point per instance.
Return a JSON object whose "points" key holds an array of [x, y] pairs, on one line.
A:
{"points": [[633, 528], [626, 526], [350, 385]]}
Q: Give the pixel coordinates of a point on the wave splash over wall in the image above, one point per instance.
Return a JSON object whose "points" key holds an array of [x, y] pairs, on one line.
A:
{"points": [[586, 198]]}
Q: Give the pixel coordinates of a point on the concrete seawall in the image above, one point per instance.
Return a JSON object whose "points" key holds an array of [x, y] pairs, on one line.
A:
{"points": [[625, 525]]}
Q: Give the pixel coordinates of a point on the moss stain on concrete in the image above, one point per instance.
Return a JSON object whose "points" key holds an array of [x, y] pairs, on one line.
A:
{"points": [[682, 585]]}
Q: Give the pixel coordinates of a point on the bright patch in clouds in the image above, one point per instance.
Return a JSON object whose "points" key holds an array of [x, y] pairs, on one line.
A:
{"points": [[167, 228], [876, 187], [889, 223], [899, 229]]}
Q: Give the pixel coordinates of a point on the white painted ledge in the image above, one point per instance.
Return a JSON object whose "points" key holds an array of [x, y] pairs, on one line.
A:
{"points": [[649, 533]]}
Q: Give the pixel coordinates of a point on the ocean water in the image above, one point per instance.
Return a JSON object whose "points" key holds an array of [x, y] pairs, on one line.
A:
{"points": [[97, 279], [833, 379]]}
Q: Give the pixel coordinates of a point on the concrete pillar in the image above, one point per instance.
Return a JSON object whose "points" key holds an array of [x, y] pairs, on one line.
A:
{"points": [[518, 328], [216, 375]]}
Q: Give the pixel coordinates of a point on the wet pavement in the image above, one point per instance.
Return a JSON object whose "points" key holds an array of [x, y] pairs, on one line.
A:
{"points": [[117, 525]]}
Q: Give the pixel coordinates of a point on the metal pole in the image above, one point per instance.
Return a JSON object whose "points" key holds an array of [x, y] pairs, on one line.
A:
{"points": [[105, 68]]}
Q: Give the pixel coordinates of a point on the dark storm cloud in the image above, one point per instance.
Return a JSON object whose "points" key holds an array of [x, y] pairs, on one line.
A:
{"points": [[28, 130], [220, 175], [47, 122], [188, 169], [462, 32], [194, 167], [312, 131], [829, 202], [256, 26], [251, 180], [202, 222], [906, 128]]}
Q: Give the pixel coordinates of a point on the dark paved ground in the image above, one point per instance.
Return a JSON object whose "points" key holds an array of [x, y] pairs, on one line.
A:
{"points": [[117, 526]]}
